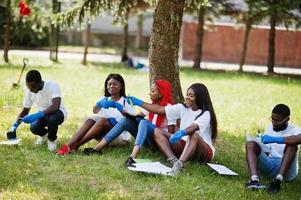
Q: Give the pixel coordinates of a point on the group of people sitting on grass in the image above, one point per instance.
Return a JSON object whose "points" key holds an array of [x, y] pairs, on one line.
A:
{"points": [[182, 132]]}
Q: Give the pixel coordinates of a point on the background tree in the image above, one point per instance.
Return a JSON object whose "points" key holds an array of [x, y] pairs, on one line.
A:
{"points": [[255, 12], [86, 40], [164, 41], [207, 10], [285, 12], [164, 44]]}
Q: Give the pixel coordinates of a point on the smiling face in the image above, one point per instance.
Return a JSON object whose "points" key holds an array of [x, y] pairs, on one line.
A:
{"points": [[114, 87], [190, 99], [154, 93]]}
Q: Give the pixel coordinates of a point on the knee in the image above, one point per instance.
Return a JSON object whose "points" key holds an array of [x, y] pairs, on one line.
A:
{"points": [[52, 120], [143, 123], [34, 128]]}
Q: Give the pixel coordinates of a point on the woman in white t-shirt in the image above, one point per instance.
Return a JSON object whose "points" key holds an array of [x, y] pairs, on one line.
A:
{"points": [[105, 116], [198, 127]]}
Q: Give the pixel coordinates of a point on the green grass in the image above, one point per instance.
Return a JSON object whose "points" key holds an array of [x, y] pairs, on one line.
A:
{"points": [[242, 102]]}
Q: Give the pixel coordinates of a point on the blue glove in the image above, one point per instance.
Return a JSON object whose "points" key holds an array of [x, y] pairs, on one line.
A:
{"points": [[14, 126], [100, 103], [116, 105], [33, 117], [177, 136], [134, 101], [266, 139]]}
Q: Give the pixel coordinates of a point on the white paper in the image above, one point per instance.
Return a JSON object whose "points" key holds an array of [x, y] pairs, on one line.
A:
{"points": [[10, 142], [151, 167], [222, 169]]}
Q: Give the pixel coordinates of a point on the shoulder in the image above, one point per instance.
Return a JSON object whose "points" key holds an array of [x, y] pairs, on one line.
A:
{"points": [[293, 129]]}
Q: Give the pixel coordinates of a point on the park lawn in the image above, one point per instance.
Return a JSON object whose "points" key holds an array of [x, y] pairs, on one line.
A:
{"points": [[242, 102]]}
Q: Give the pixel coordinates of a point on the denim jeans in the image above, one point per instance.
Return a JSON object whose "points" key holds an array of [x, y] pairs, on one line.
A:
{"points": [[140, 131], [51, 121]]}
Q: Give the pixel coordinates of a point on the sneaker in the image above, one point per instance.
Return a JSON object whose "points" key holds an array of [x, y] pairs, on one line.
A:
{"points": [[90, 151], [175, 170], [274, 186], [129, 162], [64, 150], [254, 185], [41, 140], [172, 160], [51, 145]]}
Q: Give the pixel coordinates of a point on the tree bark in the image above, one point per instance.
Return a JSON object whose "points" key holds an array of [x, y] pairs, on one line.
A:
{"points": [[245, 45], [139, 33], [6, 34], [86, 42], [164, 44], [272, 35], [124, 53], [199, 39]]}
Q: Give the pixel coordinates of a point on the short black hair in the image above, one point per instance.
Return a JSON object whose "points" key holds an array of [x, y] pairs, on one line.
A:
{"points": [[282, 109], [33, 76]]}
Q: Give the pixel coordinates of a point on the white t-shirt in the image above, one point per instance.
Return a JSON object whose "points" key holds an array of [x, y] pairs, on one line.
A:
{"points": [[187, 117], [163, 124], [43, 99], [277, 150], [115, 113]]}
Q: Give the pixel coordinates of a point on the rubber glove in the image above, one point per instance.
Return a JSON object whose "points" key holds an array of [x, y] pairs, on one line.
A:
{"points": [[101, 102], [33, 117], [266, 139], [116, 105], [177, 136], [14, 126], [133, 100]]}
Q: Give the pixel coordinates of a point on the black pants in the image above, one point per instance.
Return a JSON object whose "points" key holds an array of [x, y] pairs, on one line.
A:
{"points": [[51, 121]]}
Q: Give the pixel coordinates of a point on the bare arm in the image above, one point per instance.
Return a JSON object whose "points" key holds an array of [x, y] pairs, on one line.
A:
{"points": [[155, 108], [23, 113], [192, 128], [293, 140], [56, 102], [171, 129], [96, 109]]}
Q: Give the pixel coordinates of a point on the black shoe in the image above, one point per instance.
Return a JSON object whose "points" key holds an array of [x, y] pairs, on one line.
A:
{"points": [[254, 185], [274, 186], [90, 151], [129, 162]]}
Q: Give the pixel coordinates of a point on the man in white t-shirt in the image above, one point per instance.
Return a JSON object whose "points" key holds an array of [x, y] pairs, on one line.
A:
{"points": [[51, 113], [273, 155]]}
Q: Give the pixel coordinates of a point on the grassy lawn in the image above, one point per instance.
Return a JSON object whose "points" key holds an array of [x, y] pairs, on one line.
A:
{"points": [[243, 103]]}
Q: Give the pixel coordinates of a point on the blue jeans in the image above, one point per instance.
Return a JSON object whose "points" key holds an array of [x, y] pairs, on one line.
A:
{"points": [[52, 121], [139, 130], [270, 166]]}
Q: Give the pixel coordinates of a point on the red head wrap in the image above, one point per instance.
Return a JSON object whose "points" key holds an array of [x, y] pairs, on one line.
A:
{"points": [[165, 89]]}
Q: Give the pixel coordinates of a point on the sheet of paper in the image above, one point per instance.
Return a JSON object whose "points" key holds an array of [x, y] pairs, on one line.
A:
{"points": [[222, 169], [141, 160], [151, 167], [10, 142]]}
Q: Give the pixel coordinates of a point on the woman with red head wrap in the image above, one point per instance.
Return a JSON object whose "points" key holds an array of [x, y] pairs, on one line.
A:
{"points": [[142, 129]]}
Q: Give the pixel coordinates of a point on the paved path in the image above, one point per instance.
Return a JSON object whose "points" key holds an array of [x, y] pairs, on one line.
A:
{"points": [[116, 58]]}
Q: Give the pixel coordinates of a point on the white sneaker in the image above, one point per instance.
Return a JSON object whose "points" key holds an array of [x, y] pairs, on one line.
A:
{"points": [[51, 145], [41, 140]]}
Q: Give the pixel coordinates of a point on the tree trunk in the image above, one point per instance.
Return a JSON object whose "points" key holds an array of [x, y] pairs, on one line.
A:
{"points": [[245, 45], [199, 39], [86, 41], [164, 44], [271, 52], [6, 34], [124, 53], [139, 33]]}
